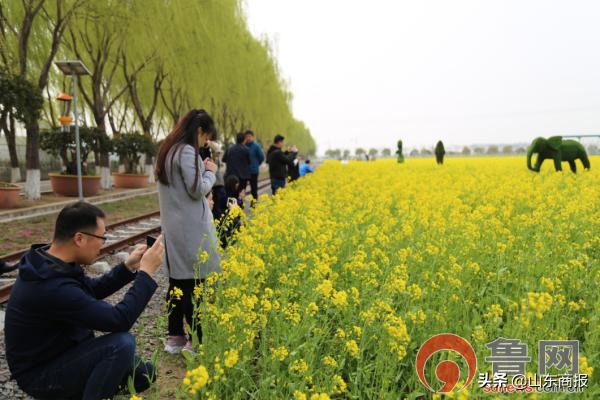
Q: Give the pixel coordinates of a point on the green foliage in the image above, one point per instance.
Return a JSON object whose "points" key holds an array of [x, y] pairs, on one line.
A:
{"points": [[399, 152], [147, 73], [333, 153], [492, 150], [439, 152], [20, 98], [466, 151], [386, 152], [439, 148], [558, 150], [130, 147], [62, 144]]}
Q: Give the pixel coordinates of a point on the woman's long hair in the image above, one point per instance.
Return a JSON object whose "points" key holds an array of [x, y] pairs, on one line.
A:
{"points": [[185, 132]]}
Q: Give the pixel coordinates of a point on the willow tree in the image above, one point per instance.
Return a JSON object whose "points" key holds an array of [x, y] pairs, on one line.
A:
{"points": [[97, 39], [37, 29], [21, 101], [146, 73]]}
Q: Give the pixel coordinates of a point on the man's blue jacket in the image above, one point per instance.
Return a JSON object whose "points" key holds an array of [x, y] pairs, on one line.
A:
{"points": [[53, 307]]}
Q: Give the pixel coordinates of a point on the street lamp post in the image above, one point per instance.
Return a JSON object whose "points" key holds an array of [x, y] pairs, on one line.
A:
{"points": [[75, 68]]}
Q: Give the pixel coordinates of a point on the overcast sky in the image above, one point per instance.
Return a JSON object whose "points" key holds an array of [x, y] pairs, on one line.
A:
{"points": [[366, 73]]}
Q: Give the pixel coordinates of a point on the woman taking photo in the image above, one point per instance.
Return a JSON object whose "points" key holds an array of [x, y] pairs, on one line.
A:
{"points": [[184, 180]]}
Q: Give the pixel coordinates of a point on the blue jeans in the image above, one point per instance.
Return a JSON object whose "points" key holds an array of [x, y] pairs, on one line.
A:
{"points": [[276, 184], [95, 369]]}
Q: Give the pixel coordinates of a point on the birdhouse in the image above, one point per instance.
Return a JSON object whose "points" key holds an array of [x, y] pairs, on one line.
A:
{"points": [[65, 117]]}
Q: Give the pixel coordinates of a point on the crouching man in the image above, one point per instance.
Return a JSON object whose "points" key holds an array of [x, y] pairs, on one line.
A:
{"points": [[54, 309]]}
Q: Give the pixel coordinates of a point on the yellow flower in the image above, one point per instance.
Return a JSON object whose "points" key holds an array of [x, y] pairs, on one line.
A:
{"points": [[340, 333], [479, 334], [352, 348], [494, 313], [176, 293], [312, 309], [231, 358], [196, 379], [340, 298], [539, 302], [203, 257], [339, 385], [298, 395], [325, 288], [330, 361], [320, 396], [134, 397], [415, 291], [197, 291], [279, 353], [299, 366], [266, 305], [584, 368]]}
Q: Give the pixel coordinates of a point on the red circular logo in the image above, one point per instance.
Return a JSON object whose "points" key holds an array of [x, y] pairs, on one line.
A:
{"points": [[446, 371]]}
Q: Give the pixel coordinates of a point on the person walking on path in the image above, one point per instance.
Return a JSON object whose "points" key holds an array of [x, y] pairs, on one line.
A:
{"points": [[279, 163], [237, 158], [186, 220], [256, 158]]}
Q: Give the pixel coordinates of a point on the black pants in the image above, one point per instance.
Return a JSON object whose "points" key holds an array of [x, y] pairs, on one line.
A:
{"points": [[184, 307], [95, 369], [220, 199], [254, 186]]}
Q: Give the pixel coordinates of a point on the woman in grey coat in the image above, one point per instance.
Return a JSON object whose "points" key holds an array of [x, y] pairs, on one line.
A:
{"points": [[184, 180]]}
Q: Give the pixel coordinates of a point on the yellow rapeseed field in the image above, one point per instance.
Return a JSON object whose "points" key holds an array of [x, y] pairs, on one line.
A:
{"points": [[337, 281]]}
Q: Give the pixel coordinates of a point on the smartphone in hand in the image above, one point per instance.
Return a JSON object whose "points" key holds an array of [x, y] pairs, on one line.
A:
{"points": [[231, 202], [150, 241]]}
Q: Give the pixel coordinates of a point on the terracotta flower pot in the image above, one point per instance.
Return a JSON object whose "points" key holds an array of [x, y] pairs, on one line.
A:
{"points": [[130, 181], [9, 195], [66, 185]]}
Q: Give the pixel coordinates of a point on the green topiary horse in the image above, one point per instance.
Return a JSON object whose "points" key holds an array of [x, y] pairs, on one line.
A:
{"points": [[559, 150]]}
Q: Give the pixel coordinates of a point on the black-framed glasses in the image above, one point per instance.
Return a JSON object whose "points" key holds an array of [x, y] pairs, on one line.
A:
{"points": [[103, 238]]}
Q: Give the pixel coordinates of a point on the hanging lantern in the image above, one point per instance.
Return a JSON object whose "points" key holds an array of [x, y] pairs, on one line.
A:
{"points": [[65, 117]]}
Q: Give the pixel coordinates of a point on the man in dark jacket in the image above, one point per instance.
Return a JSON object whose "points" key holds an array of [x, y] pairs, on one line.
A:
{"points": [[256, 158], [54, 309], [279, 162], [237, 158]]}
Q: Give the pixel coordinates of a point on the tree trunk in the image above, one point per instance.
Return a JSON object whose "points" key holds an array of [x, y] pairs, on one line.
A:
{"points": [[102, 159], [149, 162], [106, 178], [32, 184], [15, 172], [9, 132]]}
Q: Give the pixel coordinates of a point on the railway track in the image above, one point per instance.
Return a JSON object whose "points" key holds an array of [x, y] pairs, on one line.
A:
{"points": [[120, 235]]}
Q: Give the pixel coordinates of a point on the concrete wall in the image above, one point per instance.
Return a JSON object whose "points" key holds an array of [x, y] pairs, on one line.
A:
{"points": [[48, 163]]}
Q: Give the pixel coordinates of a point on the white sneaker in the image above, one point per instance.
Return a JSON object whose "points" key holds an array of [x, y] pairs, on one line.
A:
{"points": [[188, 348], [175, 344]]}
